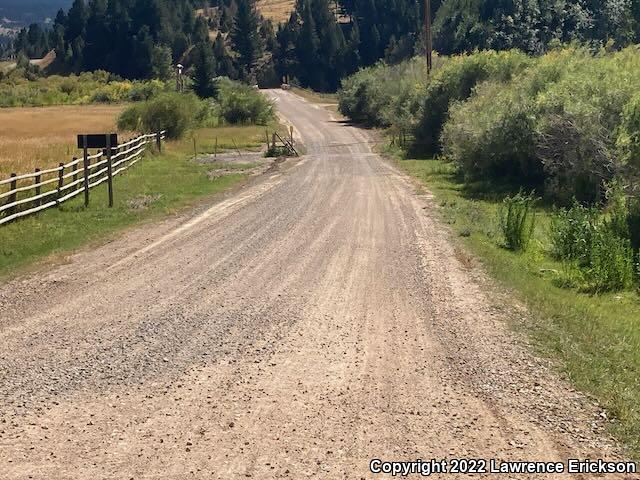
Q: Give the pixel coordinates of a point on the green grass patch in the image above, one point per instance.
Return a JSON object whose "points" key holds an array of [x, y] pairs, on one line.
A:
{"points": [[315, 97], [252, 137], [596, 338], [157, 186]]}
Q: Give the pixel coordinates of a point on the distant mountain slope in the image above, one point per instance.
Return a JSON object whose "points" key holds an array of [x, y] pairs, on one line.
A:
{"points": [[25, 12]]}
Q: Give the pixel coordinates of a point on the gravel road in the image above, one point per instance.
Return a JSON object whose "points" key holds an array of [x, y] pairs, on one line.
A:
{"points": [[317, 318]]}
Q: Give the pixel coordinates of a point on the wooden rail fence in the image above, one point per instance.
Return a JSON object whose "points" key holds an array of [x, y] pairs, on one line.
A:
{"points": [[33, 192]]}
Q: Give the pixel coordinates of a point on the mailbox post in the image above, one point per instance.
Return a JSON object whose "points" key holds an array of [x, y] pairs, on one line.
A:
{"points": [[100, 140]]}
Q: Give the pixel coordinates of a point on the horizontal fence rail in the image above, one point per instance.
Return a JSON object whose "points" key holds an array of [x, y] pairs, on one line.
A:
{"points": [[30, 193]]}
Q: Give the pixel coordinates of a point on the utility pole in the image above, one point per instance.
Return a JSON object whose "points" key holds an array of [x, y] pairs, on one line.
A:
{"points": [[427, 34]]}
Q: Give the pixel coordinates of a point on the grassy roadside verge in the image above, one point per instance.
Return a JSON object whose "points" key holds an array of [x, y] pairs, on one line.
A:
{"points": [[595, 339], [157, 186], [316, 97]]}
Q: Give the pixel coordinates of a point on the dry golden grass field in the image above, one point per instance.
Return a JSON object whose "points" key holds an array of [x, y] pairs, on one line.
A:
{"points": [[45, 136], [276, 10]]}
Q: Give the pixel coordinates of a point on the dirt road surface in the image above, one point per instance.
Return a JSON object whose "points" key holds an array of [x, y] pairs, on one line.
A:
{"points": [[313, 321]]}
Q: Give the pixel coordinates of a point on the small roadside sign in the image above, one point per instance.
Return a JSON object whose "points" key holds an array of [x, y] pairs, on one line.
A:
{"points": [[98, 140]]}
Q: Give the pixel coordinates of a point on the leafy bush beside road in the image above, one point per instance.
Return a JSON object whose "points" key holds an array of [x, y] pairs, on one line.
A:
{"points": [[385, 96], [456, 82], [566, 124], [241, 104], [178, 112], [173, 112]]}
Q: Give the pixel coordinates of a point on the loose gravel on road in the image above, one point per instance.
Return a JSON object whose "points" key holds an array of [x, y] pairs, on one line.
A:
{"points": [[312, 321]]}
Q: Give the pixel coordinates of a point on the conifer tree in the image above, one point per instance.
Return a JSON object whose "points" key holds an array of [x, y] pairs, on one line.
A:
{"points": [[223, 58], [307, 47], [204, 83], [245, 37]]}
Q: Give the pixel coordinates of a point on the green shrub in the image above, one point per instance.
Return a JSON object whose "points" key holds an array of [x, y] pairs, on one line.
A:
{"points": [[517, 221], [572, 231], [600, 246], [242, 104], [178, 112], [145, 90], [208, 114], [566, 124], [492, 137], [628, 141], [357, 96], [633, 223], [455, 82], [580, 122], [173, 112], [131, 119], [276, 151], [384, 95], [611, 261]]}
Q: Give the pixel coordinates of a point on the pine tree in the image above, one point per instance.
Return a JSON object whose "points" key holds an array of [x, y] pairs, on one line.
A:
{"points": [[204, 83], [76, 21], [223, 59], [245, 37], [161, 62], [97, 38], [307, 47]]}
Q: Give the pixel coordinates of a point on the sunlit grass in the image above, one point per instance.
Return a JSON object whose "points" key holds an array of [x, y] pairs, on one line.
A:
{"points": [[250, 137], [276, 10], [34, 137]]}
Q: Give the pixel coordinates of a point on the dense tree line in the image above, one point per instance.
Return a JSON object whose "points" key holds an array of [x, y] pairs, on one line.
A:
{"points": [[320, 43], [534, 25], [131, 38]]}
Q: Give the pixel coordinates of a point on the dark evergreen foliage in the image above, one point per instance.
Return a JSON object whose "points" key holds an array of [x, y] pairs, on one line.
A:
{"points": [[322, 41], [204, 71], [245, 36]]}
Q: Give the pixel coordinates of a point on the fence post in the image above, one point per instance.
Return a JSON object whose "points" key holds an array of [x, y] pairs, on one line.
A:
{"points": [[273, 141], [36, 181], [75, 170], [291, 134], [60, 182], [13, 197], [85, 166], [215, 150], [159, 142], [110, 171]]}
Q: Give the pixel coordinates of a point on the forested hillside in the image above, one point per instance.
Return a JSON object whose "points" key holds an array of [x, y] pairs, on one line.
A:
{"points": [[135, 39], [321, 42], [462, 25]]}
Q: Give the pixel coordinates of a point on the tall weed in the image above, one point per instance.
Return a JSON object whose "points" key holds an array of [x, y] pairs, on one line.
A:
{"points": [[517, 221], [571, 233], [611, 261]]}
